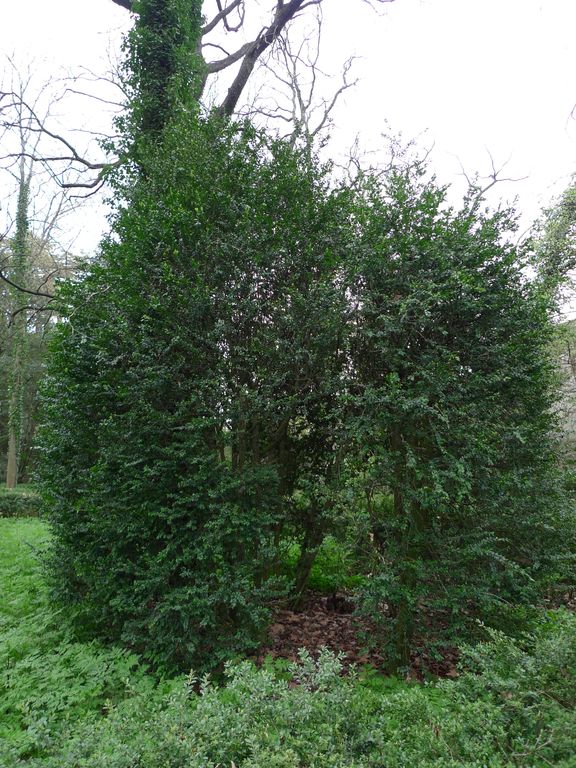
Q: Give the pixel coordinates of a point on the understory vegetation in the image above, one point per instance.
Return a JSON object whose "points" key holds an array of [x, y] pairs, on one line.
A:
{"points": [[67, 702]]}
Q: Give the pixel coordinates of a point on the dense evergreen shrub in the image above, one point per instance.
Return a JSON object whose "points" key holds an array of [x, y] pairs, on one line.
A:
{"points": [[261, 356], [19, 503], [454, 416], [191, 392], [182, 395]]}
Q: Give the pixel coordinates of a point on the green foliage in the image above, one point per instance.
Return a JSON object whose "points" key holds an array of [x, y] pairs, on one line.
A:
{"points": [[334, 566], [555, 242], [563, 353], [192, 398], [258, 720], [22, 501], [17, 336], [260, 357], [48, 679], [163, 65], [65, 704], [532, 683], [454, 416], [23, 343], [242, 371]]}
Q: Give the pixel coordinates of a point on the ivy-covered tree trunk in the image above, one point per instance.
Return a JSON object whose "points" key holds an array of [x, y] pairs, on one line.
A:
{"points": [[17, 338], [164, 66]]}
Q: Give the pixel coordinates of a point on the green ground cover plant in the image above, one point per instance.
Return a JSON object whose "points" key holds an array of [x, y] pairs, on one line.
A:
{"points": [[48, 678], [71, 704]]}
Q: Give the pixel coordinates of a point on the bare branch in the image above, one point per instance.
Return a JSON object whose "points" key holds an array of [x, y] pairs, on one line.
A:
{"points": [[329, 106], [492, 178], [95, 98], [56, 158], [215, 45], [372, 3], [26, 115], [95, 184], [296, 69], [285, 12], [222, 15], [33, 309], [41, 128], [22, 289], [218, 66]]}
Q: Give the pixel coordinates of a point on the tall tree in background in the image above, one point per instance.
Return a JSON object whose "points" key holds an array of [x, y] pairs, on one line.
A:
{"points": [[17, 336], [555, 244], [27, 317], [85, 167], [555, 262], [230, 17], [29, 267]]}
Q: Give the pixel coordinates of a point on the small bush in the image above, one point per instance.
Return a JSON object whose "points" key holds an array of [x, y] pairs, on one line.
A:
{"points": [[513, 707], [20, 502]]}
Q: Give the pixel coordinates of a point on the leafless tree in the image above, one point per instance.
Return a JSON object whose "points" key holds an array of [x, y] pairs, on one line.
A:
{"points": [[296, 93], [235, 16], [29, 262], [74, 163], [82, 167], [25, 108]]}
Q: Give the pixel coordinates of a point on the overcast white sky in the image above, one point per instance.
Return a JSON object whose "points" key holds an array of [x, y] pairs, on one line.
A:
{"points": [[467, 76]]}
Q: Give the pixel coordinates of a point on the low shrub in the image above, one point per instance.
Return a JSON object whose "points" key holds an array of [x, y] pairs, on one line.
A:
{"points": [[514, 706], [19, 502], [532, 684]]}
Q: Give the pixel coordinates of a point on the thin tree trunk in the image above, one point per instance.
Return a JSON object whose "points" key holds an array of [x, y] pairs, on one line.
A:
{"points": [[404, 626], [16, 404], [404, 620], [12, 462], [18, 329], [310, 546]]}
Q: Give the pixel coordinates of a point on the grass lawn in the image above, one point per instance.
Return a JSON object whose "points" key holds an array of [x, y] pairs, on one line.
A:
{"points": [[21, 540], [23, 488]]}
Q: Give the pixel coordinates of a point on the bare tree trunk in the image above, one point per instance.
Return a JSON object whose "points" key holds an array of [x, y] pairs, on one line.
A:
{"points": [[15, 406], [310, 546]]}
